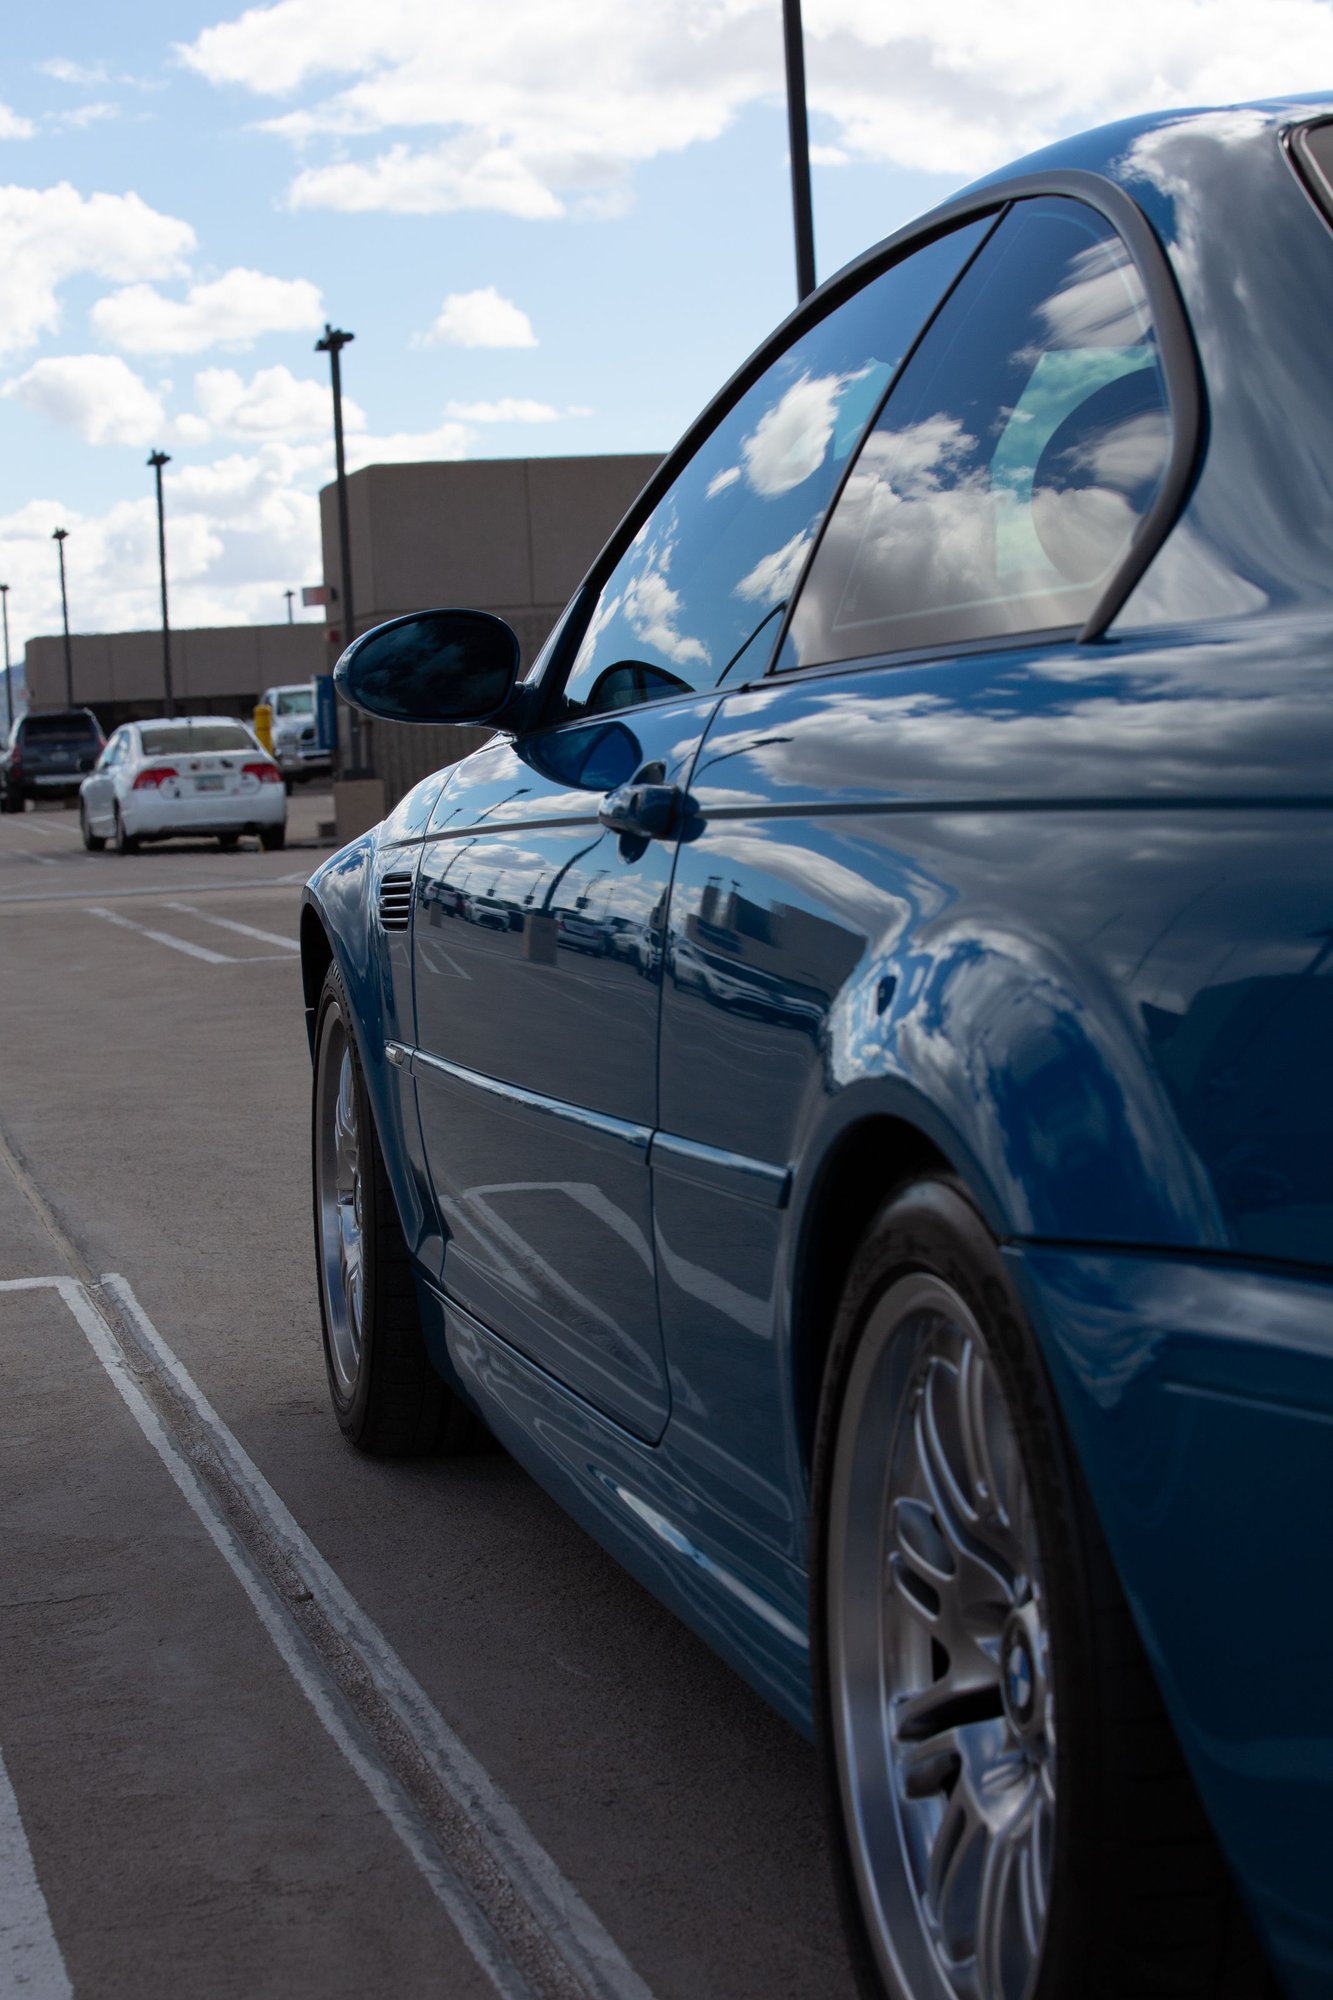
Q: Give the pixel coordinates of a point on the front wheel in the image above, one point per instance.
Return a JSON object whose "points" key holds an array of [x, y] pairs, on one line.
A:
{"points": [[387, 1397], [1012, 1817], [94, 842]]}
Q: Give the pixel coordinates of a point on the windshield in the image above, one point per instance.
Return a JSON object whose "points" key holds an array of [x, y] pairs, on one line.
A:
{"points": [[295, 701], [179, 738]]}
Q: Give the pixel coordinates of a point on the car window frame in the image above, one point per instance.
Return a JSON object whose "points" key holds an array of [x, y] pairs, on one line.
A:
{"points": [[1186, 406], [551, 670], [1186, 403]]}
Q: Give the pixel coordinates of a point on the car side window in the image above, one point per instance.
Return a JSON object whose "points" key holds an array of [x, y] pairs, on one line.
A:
{"points": [[1013, 460], [701, 589]]}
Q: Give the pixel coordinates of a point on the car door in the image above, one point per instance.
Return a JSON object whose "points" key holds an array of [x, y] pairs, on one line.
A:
{"points": [[538, 926], [98, 791], [851, 860]]}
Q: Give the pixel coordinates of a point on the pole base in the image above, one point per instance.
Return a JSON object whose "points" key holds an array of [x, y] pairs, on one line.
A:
{"points": [[358, 804]]}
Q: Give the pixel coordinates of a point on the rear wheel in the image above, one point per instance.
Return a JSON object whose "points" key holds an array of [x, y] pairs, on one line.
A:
{"points": [[229, 840], [94, 842], [1012, 1816], [124, 843], [387, 1397], [11, 803], [272, 837]]}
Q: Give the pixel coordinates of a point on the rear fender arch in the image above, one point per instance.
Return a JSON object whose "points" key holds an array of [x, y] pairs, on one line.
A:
{"points": [[985, 1054]]}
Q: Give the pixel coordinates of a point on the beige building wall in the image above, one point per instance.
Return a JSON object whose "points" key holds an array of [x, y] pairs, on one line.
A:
{"points": [[511, 535], [218, 670]]}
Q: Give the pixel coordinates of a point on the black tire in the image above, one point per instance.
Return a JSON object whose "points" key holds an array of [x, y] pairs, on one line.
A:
{"points": [[1140, 1900], [94, 842], [124, 843], [229, 840], [10, 804], [271, 838], [395, 1404]]}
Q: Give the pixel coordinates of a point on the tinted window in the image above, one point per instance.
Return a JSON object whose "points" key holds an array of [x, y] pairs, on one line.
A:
{"points": [[1013, 460], [78, 727], [710, 570], [182, 739]]}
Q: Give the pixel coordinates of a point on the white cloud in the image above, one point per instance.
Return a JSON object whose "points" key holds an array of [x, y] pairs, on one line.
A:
{"points": [[274, 403], [96, 395], [239, 532], [513, 410], [483, 318], [774, 577], [533, 110], [13, 125], [83, 74], [230, 311], [789, 441], [83, 115], [50, 235], [449, 439]]}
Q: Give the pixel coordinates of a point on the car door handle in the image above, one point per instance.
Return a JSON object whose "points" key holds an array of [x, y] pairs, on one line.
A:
{"points": [[645, 812]]}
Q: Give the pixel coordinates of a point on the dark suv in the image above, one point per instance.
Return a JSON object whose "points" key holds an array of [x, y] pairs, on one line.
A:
{"points": [[49, 755]]}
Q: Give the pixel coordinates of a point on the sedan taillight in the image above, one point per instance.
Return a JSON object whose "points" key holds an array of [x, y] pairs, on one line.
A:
{"points": [[267, 774], [149, 780]]}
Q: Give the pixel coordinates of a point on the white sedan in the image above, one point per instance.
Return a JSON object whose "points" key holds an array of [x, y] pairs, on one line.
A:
{"points": [[192, 776]]}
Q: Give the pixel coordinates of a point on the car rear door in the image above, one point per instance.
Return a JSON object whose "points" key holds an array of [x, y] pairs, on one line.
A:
{"points": [[538, 928]]}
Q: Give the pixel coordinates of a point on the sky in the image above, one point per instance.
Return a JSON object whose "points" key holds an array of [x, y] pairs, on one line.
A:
{"points": [[552, 229]]}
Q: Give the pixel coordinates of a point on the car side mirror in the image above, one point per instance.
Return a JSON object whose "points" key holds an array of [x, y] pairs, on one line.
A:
{"points": [[432, 666]]}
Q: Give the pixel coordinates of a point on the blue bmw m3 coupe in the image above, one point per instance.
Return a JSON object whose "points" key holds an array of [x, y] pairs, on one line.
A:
{"points": [[867, 1149]]}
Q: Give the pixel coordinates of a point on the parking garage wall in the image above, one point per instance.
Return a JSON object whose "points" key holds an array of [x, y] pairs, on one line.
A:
{"points": [[512, 536], [215, 670]]}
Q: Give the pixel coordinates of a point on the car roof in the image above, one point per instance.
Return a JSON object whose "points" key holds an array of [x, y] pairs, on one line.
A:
{"points": [[184, 721], [1116, 151]]}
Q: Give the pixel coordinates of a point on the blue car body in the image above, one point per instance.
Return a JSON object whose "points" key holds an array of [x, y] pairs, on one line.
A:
{"points": [[1055, 914]]}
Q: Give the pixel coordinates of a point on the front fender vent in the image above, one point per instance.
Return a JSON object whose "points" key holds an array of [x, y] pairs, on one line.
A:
{"points": [[396, 900]]}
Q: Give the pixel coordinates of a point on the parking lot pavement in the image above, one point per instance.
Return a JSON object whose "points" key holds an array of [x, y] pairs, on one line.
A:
{"points": [[154, 1107]]}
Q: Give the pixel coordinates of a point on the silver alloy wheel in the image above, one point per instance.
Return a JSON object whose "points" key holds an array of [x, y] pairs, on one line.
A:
{"points": [[939, 1660], [339, 1198]]}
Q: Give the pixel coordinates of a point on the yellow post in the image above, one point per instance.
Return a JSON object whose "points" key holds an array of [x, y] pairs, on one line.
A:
{"points": [[264, 725]]}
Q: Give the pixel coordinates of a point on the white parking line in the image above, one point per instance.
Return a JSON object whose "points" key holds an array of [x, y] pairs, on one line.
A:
{"points": [[230, 924], [164, 937], [529, 1881], [30, 1960], [41, 823]]}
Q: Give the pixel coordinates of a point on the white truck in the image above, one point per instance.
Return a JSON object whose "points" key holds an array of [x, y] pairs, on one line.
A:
{"points": [[296, 744]]}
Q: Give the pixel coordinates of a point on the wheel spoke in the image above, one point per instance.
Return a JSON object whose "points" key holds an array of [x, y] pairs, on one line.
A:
{"points": [[340, 1203], [947, 1694], [978, 1594]]}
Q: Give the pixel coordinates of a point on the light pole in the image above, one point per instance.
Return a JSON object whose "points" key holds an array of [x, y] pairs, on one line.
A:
{"points": [[799, 133], [157, 459], [59, 536], [9, 684], [289, 595], [333, 344]]}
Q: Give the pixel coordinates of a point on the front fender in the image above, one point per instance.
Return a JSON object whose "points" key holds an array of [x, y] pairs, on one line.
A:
{"points": [[341, 903]]}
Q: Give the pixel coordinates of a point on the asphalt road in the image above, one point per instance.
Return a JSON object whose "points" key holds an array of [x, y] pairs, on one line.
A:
{"points": [[275, 1719]]}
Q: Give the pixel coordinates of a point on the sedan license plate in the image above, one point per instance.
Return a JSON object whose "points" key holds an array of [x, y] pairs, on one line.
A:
{"points": [[208, 784]]}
